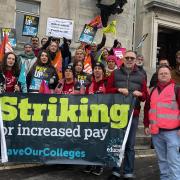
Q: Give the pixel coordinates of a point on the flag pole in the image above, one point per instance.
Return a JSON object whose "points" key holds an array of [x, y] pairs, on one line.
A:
{"points": [[122, 149], [4, 156]]}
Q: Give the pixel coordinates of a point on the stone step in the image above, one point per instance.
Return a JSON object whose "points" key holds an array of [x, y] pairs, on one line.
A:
{"points": [[9, 165], [140, 131], [142, 147], [143, 140], [144, 153]]}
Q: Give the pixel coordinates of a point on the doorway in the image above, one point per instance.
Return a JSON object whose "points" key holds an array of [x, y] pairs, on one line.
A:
{"points": [[168, 44]]}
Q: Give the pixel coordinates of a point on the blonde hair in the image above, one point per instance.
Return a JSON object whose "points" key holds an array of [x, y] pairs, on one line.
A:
{"points": [[178, 53], [80, 49]]}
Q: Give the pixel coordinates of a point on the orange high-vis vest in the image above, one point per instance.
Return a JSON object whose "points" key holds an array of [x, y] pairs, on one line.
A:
{"points": [[164, 110], [57, 63], [87, 65]]}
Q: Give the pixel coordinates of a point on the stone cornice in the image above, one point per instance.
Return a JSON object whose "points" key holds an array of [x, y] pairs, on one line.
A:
{"points": [[162, 5]]}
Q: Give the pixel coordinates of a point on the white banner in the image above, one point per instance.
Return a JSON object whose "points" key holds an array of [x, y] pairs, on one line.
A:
{"points": [[59, 28]]}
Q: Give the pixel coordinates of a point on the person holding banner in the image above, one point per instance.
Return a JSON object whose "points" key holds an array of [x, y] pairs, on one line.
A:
{"points": [[10, 70], [42, 70], [128, 80], [97, 86], [162, 120], [81, 76], [68, 85]]}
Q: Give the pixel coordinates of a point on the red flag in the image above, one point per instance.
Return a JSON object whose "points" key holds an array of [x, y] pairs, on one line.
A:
{"points": [[5, 47], [96, 22], [44, 89]]}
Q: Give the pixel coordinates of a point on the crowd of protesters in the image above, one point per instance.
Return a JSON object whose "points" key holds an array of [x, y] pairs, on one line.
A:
{"points": [[94, 70]]}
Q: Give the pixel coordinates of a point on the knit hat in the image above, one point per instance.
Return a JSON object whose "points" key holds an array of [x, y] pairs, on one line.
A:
{"points": [[112, 58], [68, 67], [27, 44], [99, 65]]}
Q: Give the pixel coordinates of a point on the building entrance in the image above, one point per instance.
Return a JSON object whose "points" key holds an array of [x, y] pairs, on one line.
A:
{"points": [[168, 44]]}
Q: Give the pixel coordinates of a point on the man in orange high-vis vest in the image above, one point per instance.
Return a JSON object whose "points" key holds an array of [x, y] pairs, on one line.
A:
{"points": [[163, 122]]}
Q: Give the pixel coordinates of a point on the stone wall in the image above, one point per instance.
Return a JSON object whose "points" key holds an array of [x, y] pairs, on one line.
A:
{"points": [[81, 11], [7, 13]]}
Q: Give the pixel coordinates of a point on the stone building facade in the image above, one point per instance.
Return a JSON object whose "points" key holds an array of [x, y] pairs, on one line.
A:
{"points": [[159, 18], [81, 11]]}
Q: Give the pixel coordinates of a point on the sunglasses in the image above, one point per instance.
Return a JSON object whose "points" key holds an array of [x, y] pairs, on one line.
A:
{"points": [[130, 58]]}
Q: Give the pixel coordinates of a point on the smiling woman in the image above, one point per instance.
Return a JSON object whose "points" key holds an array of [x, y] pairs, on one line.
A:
{"points": [[10, 70], [42, 70]]}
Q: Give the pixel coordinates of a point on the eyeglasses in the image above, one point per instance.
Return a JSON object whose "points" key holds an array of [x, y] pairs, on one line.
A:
{"points": [[130, 58]]}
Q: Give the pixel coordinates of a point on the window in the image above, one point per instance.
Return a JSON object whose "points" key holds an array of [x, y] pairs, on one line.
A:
{"points": [[24, 8]]}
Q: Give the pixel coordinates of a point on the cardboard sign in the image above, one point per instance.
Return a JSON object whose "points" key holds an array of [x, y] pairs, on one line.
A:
{"points": [[59, 28], [88, 34], [30, 25], [119, 53], [11, 35]]}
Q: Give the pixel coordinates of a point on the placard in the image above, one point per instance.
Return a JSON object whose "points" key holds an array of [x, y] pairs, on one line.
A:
{"points": [[30, 25], [11, 35], [59, 28], [119, 53], [88, 34]]}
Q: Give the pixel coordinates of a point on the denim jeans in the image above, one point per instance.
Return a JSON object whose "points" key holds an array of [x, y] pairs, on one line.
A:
{"points": [[129, 155], [167, 147]]}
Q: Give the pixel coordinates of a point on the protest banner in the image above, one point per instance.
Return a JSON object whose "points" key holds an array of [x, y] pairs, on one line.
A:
{"points": [[59, 28], [30, 25], [65, 129], [11, 35], [88, 33], [119, 53]]}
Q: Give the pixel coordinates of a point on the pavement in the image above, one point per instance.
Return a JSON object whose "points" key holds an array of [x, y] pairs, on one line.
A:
{"points": [[146, 168]]}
